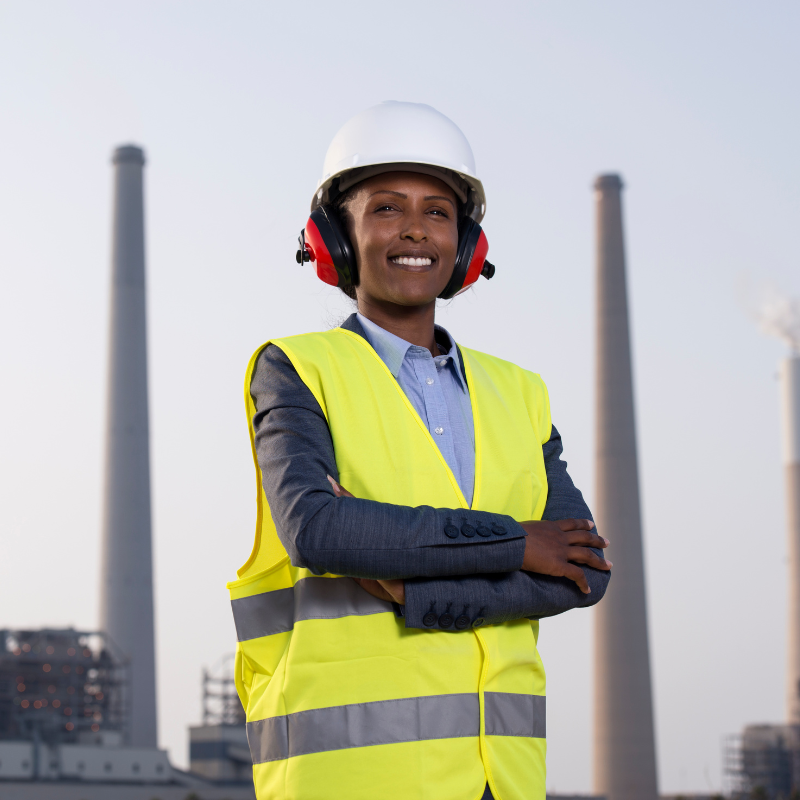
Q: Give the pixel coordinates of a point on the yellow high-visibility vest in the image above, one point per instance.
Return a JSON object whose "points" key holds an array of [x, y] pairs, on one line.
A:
{"points": [[342, 700]]}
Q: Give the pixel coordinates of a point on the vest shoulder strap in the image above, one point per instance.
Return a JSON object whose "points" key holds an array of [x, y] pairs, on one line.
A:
{"points": [[508, 378], [267, 549]]}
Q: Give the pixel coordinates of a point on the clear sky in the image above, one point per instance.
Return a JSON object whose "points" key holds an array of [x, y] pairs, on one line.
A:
{"points": [[695, 104]]}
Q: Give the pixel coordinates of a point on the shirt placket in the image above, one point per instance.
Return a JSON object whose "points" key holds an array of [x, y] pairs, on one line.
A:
{"points": [[427, 368]]}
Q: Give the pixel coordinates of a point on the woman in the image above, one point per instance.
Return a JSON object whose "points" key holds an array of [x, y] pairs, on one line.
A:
{"points": [[415, 519]]}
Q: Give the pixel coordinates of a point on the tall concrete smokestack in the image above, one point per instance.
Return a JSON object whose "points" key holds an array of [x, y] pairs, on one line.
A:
{"points": [[624, 740], [126, 591], [790, 390]]}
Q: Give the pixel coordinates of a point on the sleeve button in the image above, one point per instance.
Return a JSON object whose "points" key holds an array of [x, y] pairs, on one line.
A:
{"points": [[467, 530], [451, 531], [462, 622], [484, 531], [429, 620], [446, 620], [476, 623], [498, 530]]}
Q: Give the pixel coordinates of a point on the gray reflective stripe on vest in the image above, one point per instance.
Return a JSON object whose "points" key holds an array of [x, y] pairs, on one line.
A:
{"points": [[446, 716], [514, 714], [311, 598]]}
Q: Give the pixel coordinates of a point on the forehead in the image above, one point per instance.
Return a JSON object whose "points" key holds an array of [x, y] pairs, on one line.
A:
{"points": [[408, 183]]}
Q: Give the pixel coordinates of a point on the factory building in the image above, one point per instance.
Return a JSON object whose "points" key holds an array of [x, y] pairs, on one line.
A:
{"points": [[63, 724]]}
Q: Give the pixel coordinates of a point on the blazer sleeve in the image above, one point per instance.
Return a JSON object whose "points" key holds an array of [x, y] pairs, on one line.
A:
{"points": [[493, 599], [351, 536]]}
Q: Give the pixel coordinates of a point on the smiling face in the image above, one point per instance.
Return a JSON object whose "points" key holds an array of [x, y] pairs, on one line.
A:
{"points": [[404, 230]]}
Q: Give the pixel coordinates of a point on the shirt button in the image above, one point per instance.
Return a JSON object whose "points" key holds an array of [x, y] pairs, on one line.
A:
{"points": [[439, 431], [429, 381], [451, 531], [484, 531], [462, 622], [442, 363], [429, 620], [499, 530], [446, 620], [478, 622], [467, 530]]}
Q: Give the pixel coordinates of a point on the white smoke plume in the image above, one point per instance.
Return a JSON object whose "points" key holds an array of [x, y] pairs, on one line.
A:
{"points": [[779, 316]]}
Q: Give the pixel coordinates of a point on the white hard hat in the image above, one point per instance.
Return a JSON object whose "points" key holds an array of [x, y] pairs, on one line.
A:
{"points": [[411, 137]]}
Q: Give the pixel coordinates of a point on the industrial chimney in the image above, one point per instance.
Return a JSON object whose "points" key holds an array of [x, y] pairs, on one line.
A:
{"points": [[624, 740], [790, 389], [126, 589]]}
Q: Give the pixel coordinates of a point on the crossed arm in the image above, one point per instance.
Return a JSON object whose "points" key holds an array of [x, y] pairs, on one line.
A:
{"points": [[478, 577]]}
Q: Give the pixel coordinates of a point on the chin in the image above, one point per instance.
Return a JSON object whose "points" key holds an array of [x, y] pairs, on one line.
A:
{"points": [[413, 293], [408, 298]]}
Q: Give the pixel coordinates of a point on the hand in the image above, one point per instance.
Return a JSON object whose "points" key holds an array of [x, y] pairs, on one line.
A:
{"points": [[392, 591], [556, 548]]}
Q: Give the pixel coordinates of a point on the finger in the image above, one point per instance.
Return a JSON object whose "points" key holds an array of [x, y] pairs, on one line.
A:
{"points": [[396, 589], [338, 489], [575, 524], [586, 539], [583, 555], [576, 574], [374, 588]]}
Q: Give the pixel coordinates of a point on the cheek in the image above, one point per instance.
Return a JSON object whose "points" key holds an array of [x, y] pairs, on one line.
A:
{"points": [[369, 246], [448, 247]]}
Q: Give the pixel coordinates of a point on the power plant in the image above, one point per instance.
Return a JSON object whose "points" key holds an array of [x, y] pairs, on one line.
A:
{"points": [[78, 717], [624, 738], [78, 710], [765, 758]]}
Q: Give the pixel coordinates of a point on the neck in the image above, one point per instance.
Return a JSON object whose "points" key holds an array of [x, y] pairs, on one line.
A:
{"points": [[412, 323]]}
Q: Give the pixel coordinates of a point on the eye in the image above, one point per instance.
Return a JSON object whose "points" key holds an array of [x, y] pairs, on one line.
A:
{"points": [[440, 212]]}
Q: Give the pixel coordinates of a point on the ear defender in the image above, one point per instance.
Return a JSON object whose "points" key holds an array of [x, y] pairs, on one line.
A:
{"points": [[325, 243], [471, 260]]}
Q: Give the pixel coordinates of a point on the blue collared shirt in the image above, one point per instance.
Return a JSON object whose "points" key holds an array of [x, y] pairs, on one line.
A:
{"points": [[438, 392]]}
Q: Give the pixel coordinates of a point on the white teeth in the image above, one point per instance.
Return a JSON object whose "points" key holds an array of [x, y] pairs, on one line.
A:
{"points": [[412, 262]]}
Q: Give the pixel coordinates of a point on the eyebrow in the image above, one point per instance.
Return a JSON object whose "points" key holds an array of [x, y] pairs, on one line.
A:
{"points": [[405, 196]]}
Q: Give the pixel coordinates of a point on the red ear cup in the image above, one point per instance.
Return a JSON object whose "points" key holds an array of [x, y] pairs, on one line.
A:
{"points": [[476, 262], [471, 262], [325, 243]]}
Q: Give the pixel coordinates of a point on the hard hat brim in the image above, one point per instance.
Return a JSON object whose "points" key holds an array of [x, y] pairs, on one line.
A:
{"points": [[468, 189]]}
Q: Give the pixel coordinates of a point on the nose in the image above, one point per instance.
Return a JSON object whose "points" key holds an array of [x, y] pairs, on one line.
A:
{"points": [[415, 228]]}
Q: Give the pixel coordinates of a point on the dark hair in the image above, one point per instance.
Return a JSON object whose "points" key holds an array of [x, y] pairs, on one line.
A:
{"points": [[340, 205]]}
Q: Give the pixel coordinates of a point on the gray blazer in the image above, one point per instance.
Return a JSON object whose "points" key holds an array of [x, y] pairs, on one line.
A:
{"points": [[476, 578]]}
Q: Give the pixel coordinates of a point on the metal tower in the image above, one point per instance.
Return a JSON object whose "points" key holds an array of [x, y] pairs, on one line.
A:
{"points": [[624, 740], [126, 589]]}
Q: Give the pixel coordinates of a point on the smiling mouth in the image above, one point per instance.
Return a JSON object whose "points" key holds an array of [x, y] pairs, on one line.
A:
{"points": [[408, 261]]}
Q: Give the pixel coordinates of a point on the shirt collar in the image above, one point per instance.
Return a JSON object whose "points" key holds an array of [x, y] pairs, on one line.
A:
{"points": [[392, 349]]}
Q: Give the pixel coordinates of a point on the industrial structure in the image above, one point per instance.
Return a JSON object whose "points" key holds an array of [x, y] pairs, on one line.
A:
{"points": [[78, 709], [218, 749], [765, 759], [126, 588], [60, 686], [624, 738], [790, 390], [763, 762]]}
